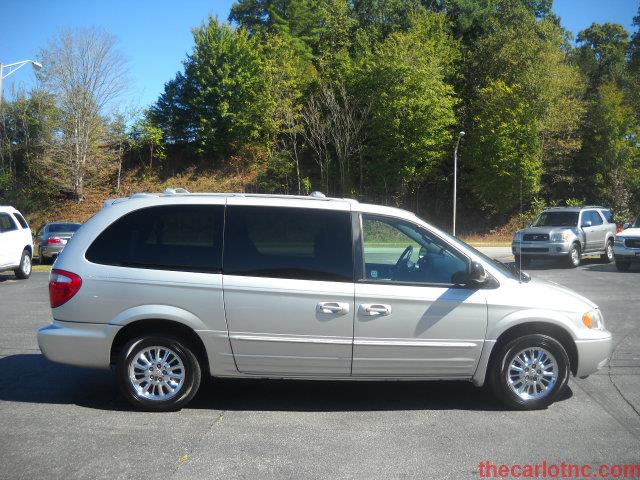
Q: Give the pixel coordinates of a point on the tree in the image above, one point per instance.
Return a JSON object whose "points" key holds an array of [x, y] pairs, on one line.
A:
{"points": [[601, 53], [221, 102], [86, 73], [147, 135], [611, 149], [412, 103], [119, 138]]}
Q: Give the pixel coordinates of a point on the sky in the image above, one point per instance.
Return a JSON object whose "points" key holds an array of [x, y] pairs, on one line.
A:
{"points": [[155, 35]]}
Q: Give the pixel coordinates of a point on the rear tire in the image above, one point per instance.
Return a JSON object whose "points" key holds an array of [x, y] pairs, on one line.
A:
{"points": [[541, 387], [24, 269], [607, 256], [158, 374], [622, 266], [574, 257]]}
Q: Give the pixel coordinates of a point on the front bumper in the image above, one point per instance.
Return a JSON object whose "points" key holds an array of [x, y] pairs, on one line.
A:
{"points": [[77, 343], [540, 249], [626, 254], [594, 353]]}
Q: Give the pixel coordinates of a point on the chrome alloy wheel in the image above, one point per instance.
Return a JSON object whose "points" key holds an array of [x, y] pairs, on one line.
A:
{"points": [[532, 373], [26, 265], [609, 251], [575, 256], [156, 373]]}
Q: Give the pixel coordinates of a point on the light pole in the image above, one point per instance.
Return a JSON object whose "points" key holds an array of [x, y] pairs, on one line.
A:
{"points": [[455, 179], [12, 67]]}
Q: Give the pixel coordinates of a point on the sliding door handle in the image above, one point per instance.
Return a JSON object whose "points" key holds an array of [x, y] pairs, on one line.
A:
{"points": [[375, 309], [332, 307]]}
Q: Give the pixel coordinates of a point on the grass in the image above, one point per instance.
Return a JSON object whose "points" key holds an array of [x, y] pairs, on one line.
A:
{"points": [[41, 268]]}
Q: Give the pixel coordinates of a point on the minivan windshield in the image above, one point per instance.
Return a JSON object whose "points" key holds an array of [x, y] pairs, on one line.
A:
{"points": [[557, 219], [63, 227]]}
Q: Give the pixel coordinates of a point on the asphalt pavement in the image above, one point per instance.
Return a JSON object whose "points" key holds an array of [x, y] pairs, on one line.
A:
{"points": [[64, 422]]}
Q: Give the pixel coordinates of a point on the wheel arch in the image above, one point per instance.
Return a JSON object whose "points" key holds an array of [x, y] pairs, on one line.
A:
{"points": [[527, 327], [158, 326]]}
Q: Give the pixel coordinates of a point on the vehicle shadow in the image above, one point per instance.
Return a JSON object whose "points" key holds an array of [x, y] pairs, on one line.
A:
{"points": [[7, 276], [31, 378]]}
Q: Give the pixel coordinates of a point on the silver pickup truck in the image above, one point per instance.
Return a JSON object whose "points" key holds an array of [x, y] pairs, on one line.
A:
{"points": [[566, 233]]}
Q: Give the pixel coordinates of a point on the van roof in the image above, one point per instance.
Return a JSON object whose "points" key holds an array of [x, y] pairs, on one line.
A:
{"points": [[181, 192]]}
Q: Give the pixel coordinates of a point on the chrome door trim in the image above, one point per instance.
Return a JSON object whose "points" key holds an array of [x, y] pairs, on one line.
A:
{"points": [[290, 339], [415, 343]]}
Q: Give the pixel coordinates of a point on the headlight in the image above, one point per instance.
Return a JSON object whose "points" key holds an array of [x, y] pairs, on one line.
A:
{"points": [[561, 237], [617, 241], [593, 319]]}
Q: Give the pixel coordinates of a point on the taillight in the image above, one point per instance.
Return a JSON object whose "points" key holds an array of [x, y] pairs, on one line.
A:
{"points": [[62, 286], [53, 240]]}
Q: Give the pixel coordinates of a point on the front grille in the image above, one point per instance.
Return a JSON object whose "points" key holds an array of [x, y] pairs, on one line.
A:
{"points": [[535, 250], [632, 243], [536, 237]]}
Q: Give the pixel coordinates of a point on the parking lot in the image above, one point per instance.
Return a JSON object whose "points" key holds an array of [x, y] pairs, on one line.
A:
{"points": [[65, 422]]}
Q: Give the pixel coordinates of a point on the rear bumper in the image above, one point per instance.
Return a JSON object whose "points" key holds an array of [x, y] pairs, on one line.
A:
{"points": [[79, 344], [593, 354], [540, 249], [51, 250]]}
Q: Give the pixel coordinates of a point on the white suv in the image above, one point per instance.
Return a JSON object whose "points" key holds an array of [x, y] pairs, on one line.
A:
{"points": [[169, 287], [16, 244]]}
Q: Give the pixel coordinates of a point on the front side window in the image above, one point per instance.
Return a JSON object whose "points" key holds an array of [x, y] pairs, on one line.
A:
{"points": [[6, 224], [397, 251], [297, 243], [177, 237]]}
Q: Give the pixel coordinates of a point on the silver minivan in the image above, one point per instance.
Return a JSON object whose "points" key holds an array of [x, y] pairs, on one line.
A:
{"points": [[166, 288]]}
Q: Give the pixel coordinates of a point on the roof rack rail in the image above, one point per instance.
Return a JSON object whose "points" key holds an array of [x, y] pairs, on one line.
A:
{"points": [[174, 191]]}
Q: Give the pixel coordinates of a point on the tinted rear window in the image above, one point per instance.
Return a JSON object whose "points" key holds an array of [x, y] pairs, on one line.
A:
{"points": [[293, 243], [63, 227], [182, 237], [21, 220], [607, 215]]}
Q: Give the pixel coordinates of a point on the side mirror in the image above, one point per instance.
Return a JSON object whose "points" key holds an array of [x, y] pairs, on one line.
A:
{"points": [[476, 276], [530, 223], [626, 225], [586, 224]]}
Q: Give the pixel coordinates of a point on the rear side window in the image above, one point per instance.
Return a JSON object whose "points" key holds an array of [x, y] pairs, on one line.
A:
{"points": [[607, 215], [6, 224], [21, 220], [295, 243], [181, 237]]}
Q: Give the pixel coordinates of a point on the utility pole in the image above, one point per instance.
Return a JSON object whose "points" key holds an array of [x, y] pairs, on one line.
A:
{"points": [[455, 180]]}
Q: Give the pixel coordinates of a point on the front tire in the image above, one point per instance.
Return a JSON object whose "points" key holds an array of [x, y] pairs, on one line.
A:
{"points": [[24, 269], [574, 258], [622, 266], [529, 372], [158, 373], [607, 256]]}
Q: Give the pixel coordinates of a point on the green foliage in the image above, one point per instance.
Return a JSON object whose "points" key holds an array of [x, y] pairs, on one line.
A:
{"points": [[221, 102], [412, 110]]}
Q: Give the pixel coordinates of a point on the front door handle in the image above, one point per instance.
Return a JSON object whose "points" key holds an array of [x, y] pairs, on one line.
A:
{"points": [[332, 307], [375, 309]]}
